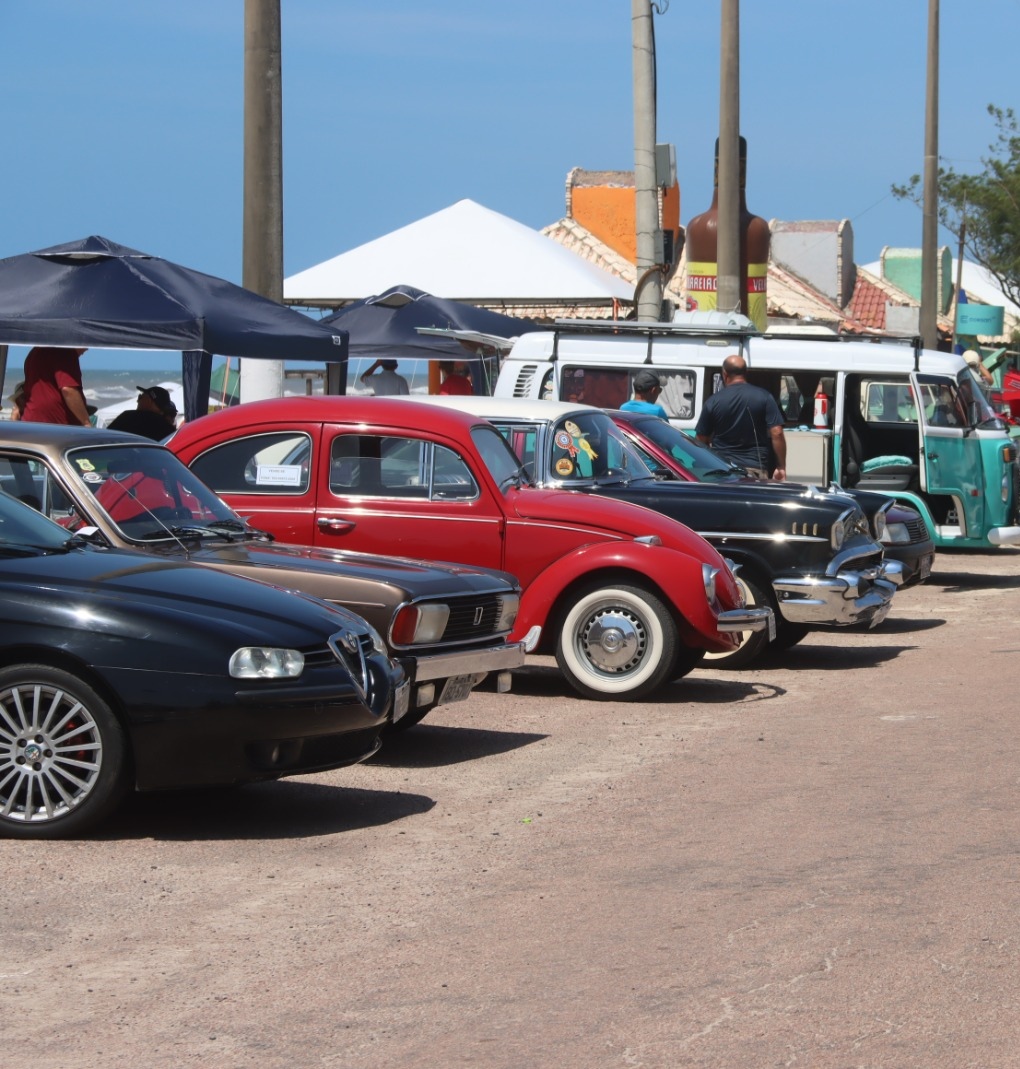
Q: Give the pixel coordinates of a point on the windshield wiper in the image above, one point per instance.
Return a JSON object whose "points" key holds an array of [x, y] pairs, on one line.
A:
{"points": [[228, 525], [27, 549]]}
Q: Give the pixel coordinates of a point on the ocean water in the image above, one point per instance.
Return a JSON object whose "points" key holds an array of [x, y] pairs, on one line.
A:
{"points": [[105, 387]]}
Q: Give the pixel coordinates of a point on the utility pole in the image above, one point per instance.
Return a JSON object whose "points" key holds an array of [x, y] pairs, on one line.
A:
{"points": [[929, 229], [262, 254], [648, 292], [728, 296]]}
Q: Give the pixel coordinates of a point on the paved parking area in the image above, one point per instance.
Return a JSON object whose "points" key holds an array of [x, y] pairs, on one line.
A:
{"points": [[809, 864]]}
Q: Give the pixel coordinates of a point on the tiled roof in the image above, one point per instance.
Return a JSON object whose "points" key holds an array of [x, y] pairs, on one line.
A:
{"points": [[788, 296]]}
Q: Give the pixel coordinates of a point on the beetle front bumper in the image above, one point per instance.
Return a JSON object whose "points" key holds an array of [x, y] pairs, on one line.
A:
{"points": [[850, 597], [746, 620]]}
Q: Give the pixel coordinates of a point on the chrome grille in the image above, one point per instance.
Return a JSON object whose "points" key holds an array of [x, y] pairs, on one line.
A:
{"points": [[350, 650], [472, 618], [917, 529]]}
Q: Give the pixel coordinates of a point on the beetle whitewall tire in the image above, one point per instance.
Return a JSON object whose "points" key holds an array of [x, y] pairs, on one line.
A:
{"points": [[617, 642]]}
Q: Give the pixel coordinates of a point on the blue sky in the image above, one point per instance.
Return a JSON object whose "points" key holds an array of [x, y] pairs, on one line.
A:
{"points": [[125, 118]]}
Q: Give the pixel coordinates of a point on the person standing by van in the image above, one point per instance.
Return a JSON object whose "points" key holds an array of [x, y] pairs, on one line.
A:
{"points": [[647, 388], [743, 423]]}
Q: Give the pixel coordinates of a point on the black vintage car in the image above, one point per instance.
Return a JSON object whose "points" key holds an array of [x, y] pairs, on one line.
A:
{"points": [[120, 670], [448, 625], [671, 452], [808, 555]]}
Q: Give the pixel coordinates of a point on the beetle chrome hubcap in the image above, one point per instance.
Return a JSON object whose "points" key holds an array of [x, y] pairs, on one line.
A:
{"points": [[613, 640]]}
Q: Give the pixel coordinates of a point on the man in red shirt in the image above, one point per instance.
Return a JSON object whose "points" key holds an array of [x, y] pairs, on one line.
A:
{"points": [[455, 379], [53, 391]]}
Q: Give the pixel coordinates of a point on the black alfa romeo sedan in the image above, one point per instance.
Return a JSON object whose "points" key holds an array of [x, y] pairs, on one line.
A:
{"points": [[121, 671]]}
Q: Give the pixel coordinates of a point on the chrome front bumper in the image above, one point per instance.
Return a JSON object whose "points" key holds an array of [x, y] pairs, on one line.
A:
{"points": [[861, 596], [462, 662], [747, 620]]}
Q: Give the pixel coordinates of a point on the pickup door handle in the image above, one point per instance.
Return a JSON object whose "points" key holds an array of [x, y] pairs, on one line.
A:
{"points": [[333, 525]]}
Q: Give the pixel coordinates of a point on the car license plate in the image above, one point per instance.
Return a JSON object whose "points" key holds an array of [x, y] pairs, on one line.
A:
{"points": [[401, 701], [456, 689], [926, 562]]}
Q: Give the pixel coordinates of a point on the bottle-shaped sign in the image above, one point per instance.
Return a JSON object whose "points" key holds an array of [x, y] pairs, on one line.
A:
{"points": [[821, 408], [703, 258]]}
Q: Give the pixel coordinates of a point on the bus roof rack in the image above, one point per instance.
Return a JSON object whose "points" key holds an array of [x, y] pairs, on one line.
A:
{"points": [[712, 322]]}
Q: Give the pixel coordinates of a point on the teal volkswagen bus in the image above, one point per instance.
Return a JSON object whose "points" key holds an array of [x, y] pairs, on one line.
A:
{"points": [[897, 418]]}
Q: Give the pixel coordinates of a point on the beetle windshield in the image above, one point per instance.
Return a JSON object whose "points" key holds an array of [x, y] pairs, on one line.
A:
{"points": [[498, 457], [149, 494]]}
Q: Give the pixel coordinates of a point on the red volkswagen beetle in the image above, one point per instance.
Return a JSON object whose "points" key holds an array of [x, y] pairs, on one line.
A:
{"points": [[625, 598]]}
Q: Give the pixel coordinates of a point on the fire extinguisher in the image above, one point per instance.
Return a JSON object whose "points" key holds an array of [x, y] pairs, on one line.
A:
{"points": [[821, 408]]}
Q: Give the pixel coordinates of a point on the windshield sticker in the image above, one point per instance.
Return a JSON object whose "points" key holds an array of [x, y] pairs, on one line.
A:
{"points": [[85, 465], [564, 467], [92, 477], [579, 441], [278, 475]]}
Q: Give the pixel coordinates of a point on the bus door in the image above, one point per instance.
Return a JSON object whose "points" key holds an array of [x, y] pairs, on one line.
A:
{"points": [[951, 458]]}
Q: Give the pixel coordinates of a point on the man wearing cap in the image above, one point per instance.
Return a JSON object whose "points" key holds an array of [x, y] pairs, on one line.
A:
{"points": [[646, 394], [53, 391], [744, 424], [154, 417]]}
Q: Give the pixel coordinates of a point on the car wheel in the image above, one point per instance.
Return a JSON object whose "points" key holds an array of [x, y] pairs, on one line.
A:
{"points": [[788, 635], [752, 643], [408, 720], [63, 756], [687, 660], [617, 642]]}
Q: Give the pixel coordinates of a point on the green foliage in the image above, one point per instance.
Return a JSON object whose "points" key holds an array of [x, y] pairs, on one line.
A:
{"points": [[984, 207]]}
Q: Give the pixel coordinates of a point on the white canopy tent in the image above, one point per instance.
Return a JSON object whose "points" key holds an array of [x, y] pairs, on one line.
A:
{"points": [[464, 253]]}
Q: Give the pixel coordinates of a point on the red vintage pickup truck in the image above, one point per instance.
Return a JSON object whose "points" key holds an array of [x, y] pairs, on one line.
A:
{"points": [[625, 598]]}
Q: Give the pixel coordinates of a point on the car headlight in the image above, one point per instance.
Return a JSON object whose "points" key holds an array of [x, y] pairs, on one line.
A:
{"points": [[266, 662], [838, 535], [881, 526], [509, 604], [415, 624], [896, 534]]}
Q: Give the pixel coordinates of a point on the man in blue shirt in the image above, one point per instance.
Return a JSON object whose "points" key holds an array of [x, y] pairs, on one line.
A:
{"points": [[744, 424], [647, 388]]}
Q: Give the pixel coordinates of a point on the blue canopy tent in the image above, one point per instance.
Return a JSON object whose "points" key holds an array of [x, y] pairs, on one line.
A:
{"points": [[96, 293], [387, 325]]}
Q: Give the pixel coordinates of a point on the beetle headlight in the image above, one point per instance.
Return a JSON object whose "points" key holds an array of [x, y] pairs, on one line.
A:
{"points": [[266, 662]]}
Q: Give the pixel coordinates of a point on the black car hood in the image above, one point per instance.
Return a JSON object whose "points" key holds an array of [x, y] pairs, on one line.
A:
{"points": [[140, 586], [732, 507]]}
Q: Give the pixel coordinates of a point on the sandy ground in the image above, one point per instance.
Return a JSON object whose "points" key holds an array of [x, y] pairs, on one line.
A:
{"points": [[809, 864]]}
